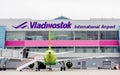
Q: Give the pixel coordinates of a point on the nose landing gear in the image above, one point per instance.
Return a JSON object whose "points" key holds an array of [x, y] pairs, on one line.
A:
{"points": [[50, 68]]}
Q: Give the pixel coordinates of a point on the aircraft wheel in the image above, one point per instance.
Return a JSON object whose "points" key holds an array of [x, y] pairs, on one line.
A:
{"points": [[64, 68], [20, 70], [61, 68], [50, 69], [4, 69], [36, 70], [0, 69]]}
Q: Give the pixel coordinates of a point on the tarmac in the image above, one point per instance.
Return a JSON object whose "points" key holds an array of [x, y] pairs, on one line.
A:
{"points": [[57, 72]]}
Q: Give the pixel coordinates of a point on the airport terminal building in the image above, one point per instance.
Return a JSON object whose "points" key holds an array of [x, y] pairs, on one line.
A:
{"points": [[86, 38]]}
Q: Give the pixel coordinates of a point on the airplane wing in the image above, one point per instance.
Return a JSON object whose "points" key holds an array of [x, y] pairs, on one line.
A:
{"points": [[37, 53], [79, 58], [60, 53], [64, 52]]}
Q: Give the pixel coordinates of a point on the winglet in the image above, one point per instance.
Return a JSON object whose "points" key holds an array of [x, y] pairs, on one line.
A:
{"points": [[49, 37]]}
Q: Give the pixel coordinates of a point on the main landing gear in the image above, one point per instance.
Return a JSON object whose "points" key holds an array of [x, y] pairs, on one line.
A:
{"points": [[63, 68]]}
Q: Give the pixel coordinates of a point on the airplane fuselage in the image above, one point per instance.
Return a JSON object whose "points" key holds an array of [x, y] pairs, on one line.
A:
{"points": [[50, 57]]}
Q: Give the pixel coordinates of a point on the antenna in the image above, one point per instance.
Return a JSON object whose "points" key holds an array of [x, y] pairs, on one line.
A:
{"points": [[49, 37]]}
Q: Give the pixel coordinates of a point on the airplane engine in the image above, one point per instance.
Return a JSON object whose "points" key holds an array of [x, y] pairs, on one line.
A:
{"points": [[69, 64], [41, 66], [31, 66]]}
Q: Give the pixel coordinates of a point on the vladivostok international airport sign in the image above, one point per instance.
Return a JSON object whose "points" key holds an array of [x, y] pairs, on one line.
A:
{"points": [[59, 25]]}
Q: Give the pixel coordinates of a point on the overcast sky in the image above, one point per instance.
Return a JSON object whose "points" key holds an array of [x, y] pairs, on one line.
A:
{"points": [[49, 9]]}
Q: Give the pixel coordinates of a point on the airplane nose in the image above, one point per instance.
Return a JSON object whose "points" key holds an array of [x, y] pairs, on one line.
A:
{"points": [[49, 52]]}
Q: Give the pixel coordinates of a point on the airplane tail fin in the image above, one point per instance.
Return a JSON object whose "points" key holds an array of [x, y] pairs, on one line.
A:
{"points": [[49, 47], [49, 38]]}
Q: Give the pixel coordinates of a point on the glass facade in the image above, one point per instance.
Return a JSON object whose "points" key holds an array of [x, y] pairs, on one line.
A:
{"points": [[86, 50], [62, 35], [36, 35], [109, 35], [108, 49], [27, 35], [96, 49], [15, 35], [67, 35], [74, 49], [86, 35]]}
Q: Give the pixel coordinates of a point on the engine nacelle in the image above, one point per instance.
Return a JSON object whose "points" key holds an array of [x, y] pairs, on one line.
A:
{"points": [[31, 65], [41, 66], [69, 64]]}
